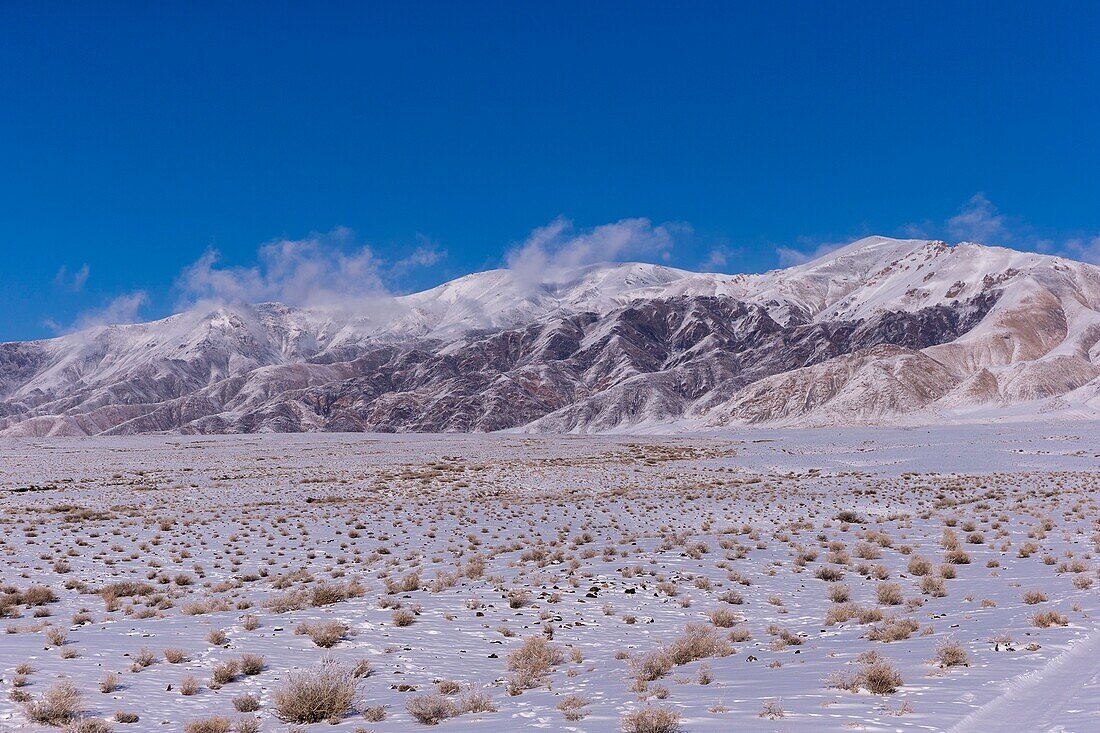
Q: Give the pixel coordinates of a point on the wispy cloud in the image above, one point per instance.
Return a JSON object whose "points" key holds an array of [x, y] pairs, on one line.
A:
{"points": [[317, 271], [553, 250], [426, 254], [979, 221], [791, 256], [1086, 249], [73, 281], [121, 309]]}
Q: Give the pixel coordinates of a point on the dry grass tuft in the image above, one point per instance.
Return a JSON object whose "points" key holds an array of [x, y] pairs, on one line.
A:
{"points": [[655, 719], [325, 692]]}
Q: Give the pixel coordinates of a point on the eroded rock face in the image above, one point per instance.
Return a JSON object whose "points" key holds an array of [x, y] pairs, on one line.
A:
{"points": [[879, 330]]}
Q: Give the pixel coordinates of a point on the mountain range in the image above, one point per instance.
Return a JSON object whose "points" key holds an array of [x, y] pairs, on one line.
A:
{"points": [[881, 331]]}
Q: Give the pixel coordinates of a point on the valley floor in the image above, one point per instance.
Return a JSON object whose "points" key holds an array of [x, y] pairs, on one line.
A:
{"points": [[864, 579]]}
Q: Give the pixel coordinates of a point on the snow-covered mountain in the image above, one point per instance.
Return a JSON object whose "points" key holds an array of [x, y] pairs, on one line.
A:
{"points": [[880, 331]]}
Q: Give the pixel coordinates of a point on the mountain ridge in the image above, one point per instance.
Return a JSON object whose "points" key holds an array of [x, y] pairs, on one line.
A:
{"points": [[608, 347]]}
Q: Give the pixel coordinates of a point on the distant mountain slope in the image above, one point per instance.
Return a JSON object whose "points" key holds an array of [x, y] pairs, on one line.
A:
{"points": [[879, 331]]}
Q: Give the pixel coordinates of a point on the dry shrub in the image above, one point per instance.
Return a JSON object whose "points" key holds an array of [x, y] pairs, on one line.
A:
{"points": [[247, 725], [881, 678], [251, 664], [88, 725], [654, 719], [175, 656], [38, 595], [932, 586], [771, 710], [448, 687], [1032, 597], [889, 594], [246, 703], [699, 641], [431, 709], [1046, 619], [957, 557], [325, 692], [109, 683], [572, 707], [828, 573], [403, 617], [723, 617], [324, 634], [739, 635], [950, 653], [919, 566], [225, 673], [532, 662], [324, 594], [652, 666], [58, 705], [216, 724], [476, 701], [893, 630]]}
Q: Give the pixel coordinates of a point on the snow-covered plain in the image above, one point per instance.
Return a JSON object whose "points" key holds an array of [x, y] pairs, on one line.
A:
{"points": [[608, 547]]}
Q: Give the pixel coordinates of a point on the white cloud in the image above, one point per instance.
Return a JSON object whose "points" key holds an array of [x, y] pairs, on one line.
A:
{"points": [[426, 254], [72, 281], [556, 248], [789, 256], [1086, 249], [125, 308], [322, 270], [979, 221]]}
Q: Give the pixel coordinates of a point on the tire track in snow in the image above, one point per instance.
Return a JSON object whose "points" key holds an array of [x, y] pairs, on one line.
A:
{"points": [[1034, 700]]}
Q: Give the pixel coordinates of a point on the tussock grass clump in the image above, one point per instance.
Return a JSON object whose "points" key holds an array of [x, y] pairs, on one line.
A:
{"points": [[723, 618], [881, 678], [1032, 597], [251, 664], [654, 719], [699, 641], [573, 707], [889, 594], [403, 617], [225, 673], [57, 706], [893, 630], [919, 566], [88, 725], [533, 661], [324, 594], [1046, 619], [216, 724], [431, 709], [829, 573], [325, 692], [930, 585], [875, 674], [950, 653], [325, 634]]}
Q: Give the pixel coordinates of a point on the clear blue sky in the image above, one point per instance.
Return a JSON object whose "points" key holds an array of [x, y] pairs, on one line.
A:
{"points": [[136, 136]]}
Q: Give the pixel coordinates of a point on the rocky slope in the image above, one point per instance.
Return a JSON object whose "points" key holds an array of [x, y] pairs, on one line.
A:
{"points": [[882, 330]]}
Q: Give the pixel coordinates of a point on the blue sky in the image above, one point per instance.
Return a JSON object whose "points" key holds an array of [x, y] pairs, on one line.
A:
{"points": [[150, 151]]}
